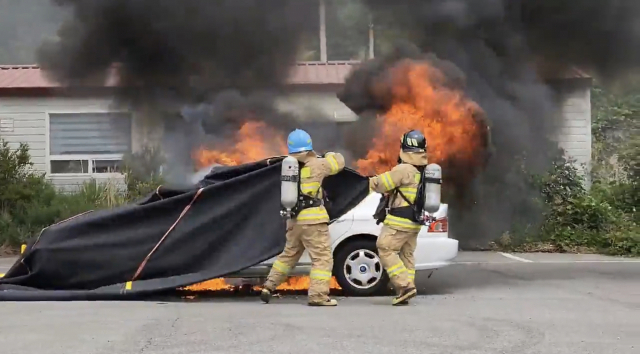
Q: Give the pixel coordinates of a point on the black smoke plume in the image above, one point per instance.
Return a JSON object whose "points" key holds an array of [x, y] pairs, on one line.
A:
{"points": [[172, 53], [177, 49], [230, 57], [506, 50]]}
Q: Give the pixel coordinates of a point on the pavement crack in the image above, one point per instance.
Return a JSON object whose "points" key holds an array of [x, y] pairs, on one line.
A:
{"points": [[171, 332], [146, 345]]}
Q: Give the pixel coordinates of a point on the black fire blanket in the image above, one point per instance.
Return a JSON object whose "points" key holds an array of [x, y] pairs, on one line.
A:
{"points": [[228, 222]]}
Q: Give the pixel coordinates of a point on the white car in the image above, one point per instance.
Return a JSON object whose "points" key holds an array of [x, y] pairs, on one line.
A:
{"points": [[357, 267]]}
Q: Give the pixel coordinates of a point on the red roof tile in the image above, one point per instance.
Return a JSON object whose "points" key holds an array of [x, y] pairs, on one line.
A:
{"points": [[550, 71], [23, 76], [575, 73], [31, 76], [316, 73], [321, 73]]}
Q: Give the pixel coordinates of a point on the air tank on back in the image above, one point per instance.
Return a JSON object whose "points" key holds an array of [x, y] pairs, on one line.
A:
{"points": [[289, 177], [432, 188]]}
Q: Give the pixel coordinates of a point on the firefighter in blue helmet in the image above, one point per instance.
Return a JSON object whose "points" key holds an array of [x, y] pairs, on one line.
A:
{"points": [[309, 229]]}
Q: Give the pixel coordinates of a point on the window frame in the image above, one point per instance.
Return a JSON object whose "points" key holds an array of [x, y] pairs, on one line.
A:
{"points": [[88, 157]]}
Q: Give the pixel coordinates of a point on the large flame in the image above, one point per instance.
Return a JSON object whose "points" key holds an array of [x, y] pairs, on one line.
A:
{"points": [[254, 141], [420, 100]]}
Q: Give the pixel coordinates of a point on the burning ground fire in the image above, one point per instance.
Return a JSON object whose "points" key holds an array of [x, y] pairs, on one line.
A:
{"points": [[293, 283], [420, 101]]}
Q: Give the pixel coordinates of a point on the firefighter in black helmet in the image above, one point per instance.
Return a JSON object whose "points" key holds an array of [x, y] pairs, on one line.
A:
{"points": [[398, 239]]}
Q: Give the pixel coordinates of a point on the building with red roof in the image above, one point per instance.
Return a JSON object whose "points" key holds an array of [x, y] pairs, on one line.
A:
{"points": [[75, 135]]}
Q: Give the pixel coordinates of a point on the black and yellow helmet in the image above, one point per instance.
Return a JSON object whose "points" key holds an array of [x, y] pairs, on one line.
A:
{"points": [[413, 141]]}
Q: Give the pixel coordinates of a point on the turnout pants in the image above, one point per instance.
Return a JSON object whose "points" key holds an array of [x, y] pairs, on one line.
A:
{"points": [[396, 249], [315, 239]]}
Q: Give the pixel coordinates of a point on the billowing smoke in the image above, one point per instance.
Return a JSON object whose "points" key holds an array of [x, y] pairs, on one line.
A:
{"points": [[23, 25], [504, 48], [180, 50], [225, 60], [232, 57]]}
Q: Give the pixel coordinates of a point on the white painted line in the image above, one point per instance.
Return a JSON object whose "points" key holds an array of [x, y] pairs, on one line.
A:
{"points": [[600, 261], [508, 255], [551, 262]]}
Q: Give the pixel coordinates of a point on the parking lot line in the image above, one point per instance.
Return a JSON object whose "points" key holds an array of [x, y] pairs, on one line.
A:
{"points": [[595, 261], [519, 259], [548, 262]]}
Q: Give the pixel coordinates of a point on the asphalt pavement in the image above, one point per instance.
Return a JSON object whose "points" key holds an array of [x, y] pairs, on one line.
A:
{"points": [[485, 303]]}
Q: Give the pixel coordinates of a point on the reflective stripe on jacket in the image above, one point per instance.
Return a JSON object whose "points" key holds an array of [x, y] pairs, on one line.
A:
{"points": [[315, 170], [405, 178]]}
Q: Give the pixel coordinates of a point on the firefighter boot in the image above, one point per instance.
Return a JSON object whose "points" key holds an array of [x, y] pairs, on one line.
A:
{"points": [[404, 302], [405, 294], [265, 295], [328, 302]]}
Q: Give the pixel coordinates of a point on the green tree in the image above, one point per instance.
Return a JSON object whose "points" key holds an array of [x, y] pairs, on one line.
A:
{"points": [[615, 127], [22, 188]]}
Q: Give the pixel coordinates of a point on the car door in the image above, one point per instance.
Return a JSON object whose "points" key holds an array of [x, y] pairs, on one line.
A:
{"points": [[336, 230]]}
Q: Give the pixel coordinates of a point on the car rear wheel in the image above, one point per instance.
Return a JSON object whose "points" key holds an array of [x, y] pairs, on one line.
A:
{"points": [[358, 269]]}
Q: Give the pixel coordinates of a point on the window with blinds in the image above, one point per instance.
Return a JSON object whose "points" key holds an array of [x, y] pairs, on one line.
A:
{"points": [[88, 142]]}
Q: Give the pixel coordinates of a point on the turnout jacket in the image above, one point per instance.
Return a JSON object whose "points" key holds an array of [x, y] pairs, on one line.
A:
{"points": [[314, 171], [404, 177]]}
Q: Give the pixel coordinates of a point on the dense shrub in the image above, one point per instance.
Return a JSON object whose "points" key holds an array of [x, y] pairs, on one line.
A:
{"points": [[597, 220], [22, 188], [143, 172], [603, 218], [29, 203]]}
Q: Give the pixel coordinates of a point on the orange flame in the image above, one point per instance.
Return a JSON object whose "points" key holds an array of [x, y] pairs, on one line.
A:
{"points": [[254, 141], [421, 101], [292, 283]]}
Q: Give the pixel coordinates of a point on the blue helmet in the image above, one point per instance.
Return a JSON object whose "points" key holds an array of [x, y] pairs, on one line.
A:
{"points": [[299, 141]]}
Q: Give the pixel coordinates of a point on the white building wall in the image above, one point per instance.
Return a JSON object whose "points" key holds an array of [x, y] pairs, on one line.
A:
{"points": [[25, 127], [26, 120], [574, 129]]}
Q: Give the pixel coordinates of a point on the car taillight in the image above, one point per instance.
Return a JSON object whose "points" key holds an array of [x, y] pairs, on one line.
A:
{"points": [[440, 225]]}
